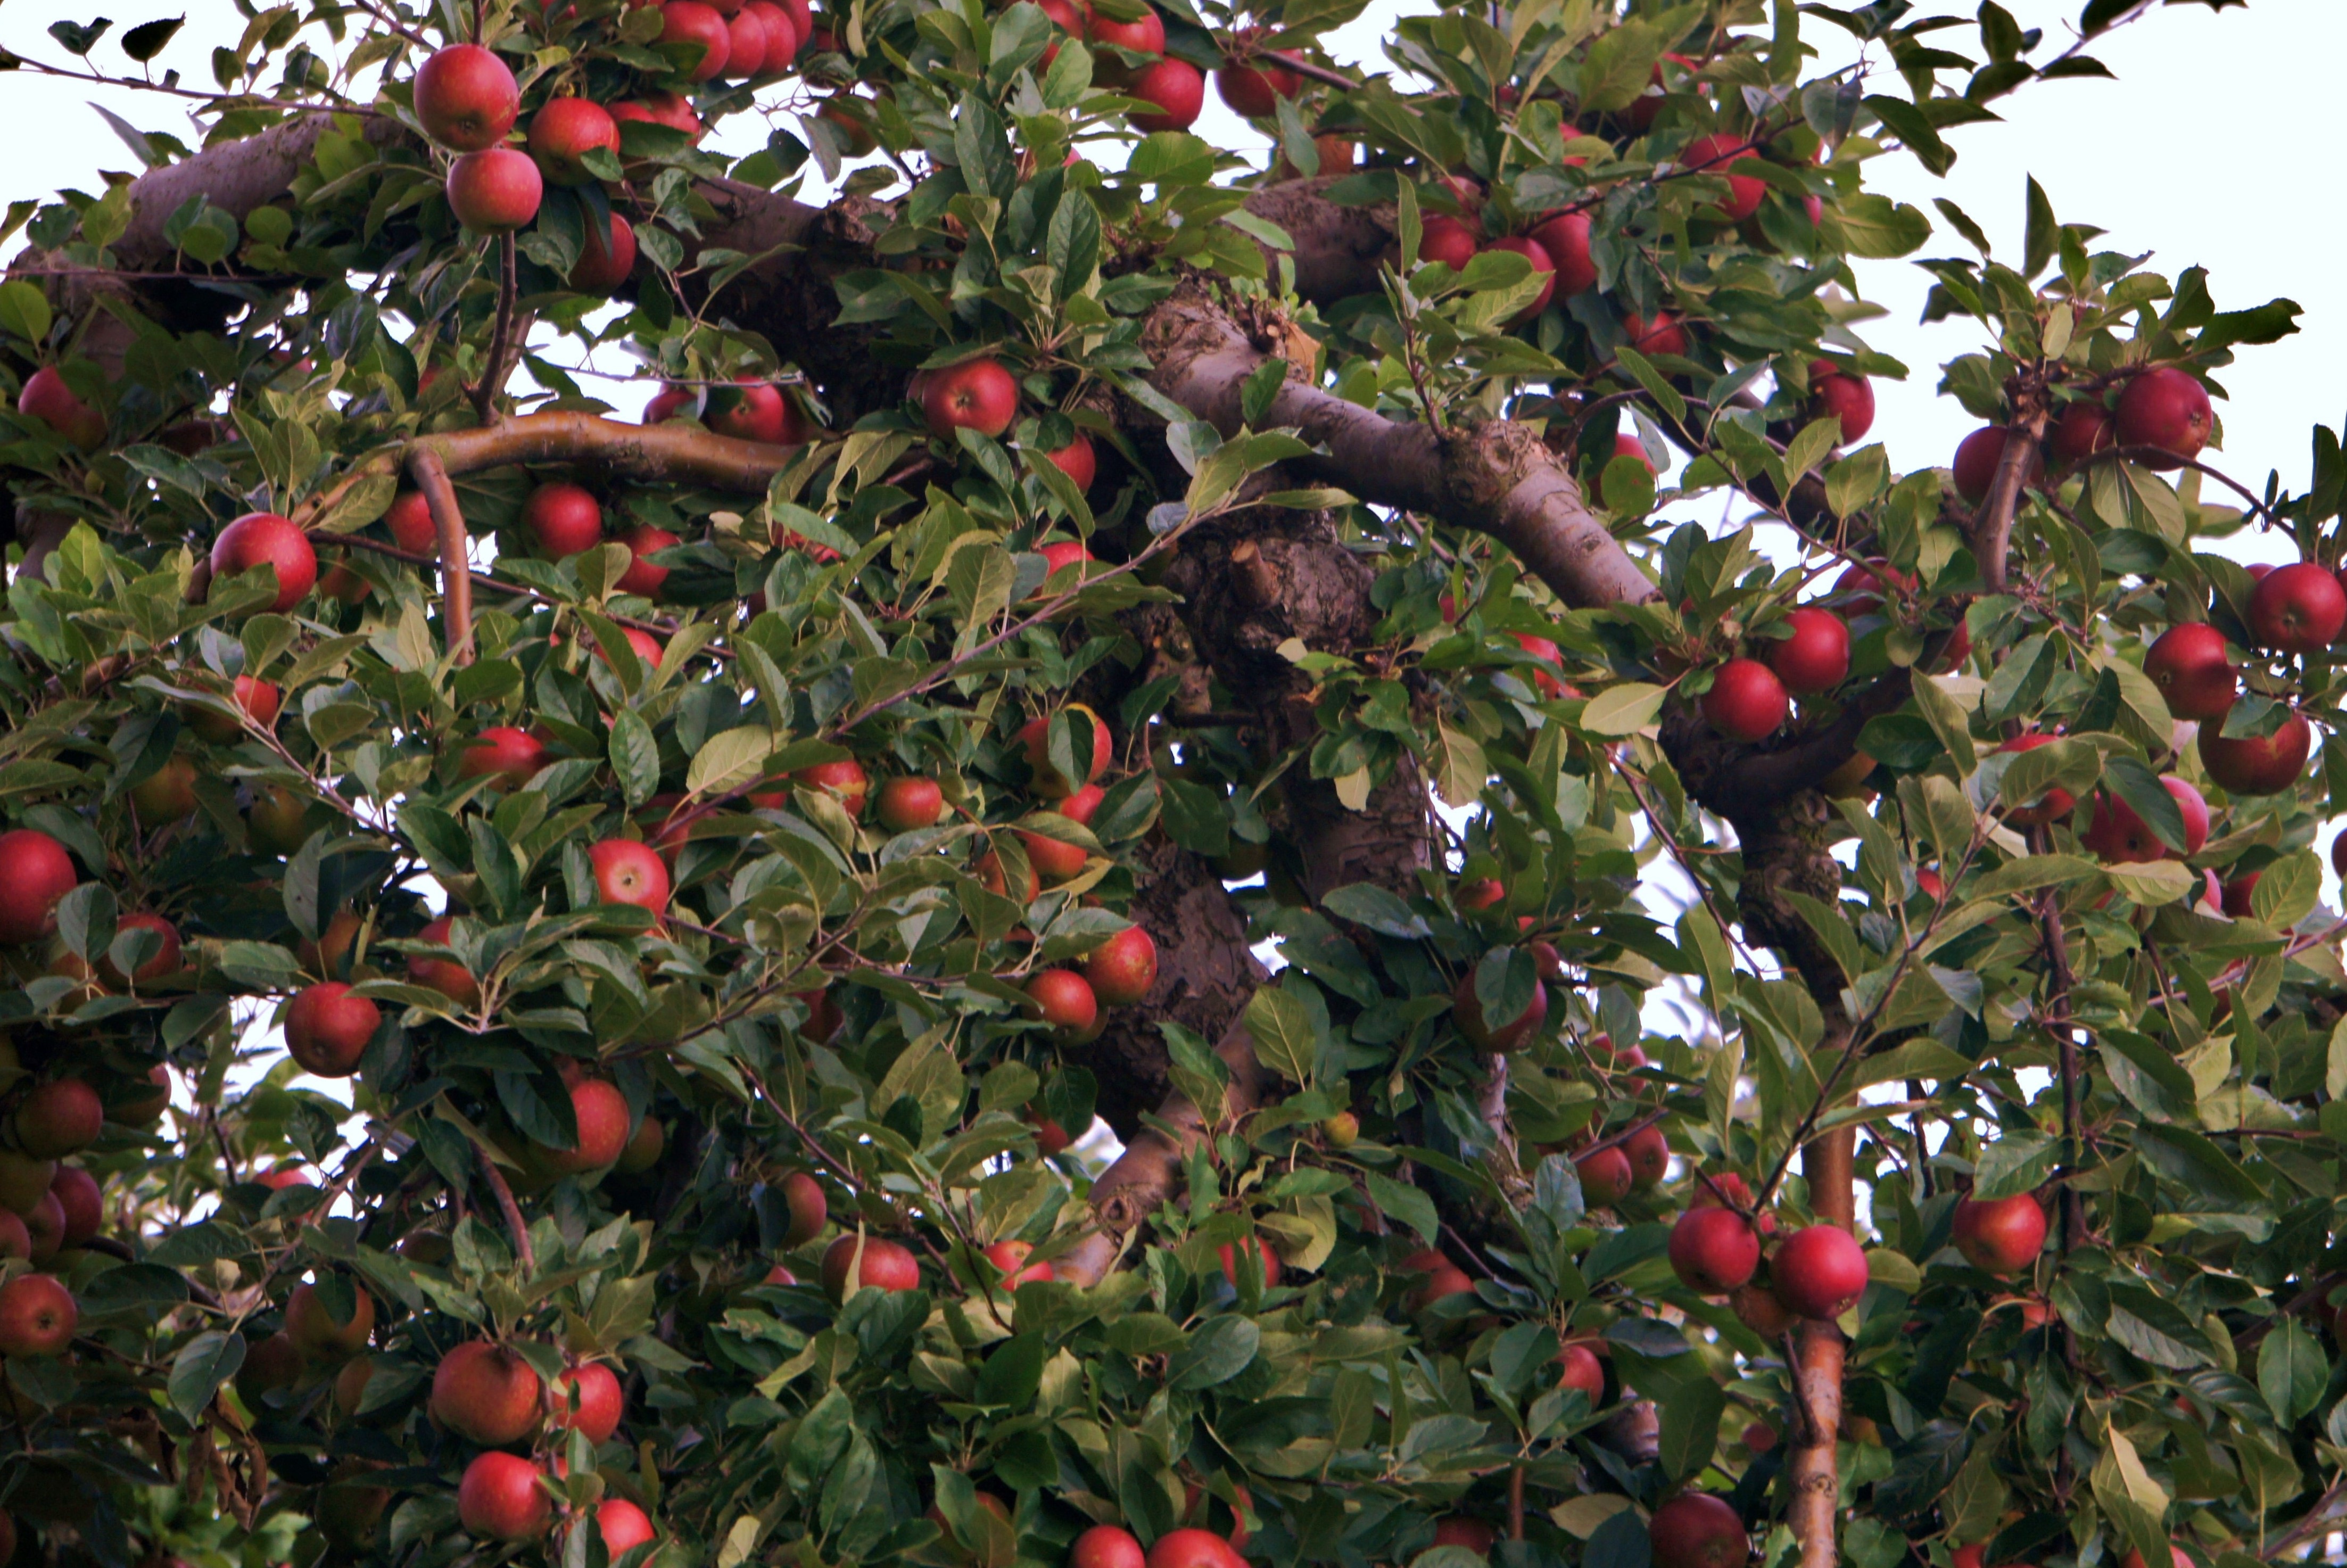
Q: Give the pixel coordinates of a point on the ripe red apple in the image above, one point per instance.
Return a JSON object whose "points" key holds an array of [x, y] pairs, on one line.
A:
{"points": [[843, 779], [2188, 664], [1254, 91], [320, 1336], [1649, 1153], [165, 960], [511, 757], [1077, 461], [265, 539], [447, 976], [1193, 1548], [467, 97], [2237, 895], [1471, 1533], [1051, 1138], [1547, 684], [1531, 251], [601, 1112], [989, 867], [594, 1390], [975, 395], [2178, 1558], [1583, 1371], [1819, 1271], [605, 263], [486, 1393], [1249, 1247], [1061, 554], [628, 871], [35, 872], [497, 192], [1010, 1259], [37, 1314], [1816, 658], [1145, 34], [746, 44], [784, 35], [1035, 741], [1064, 999], [2257, 764], [1836, 393], [2000, 1235], [1696, 1530], [60, 1117], [46, 396], [1606, 1177], [1467, 1012], [500, 1497], [802, 1197], [562, 519], [327, 1029], [2083, 428], [1106, 1545], [884, 1266], [622, 1525], [1053, 860], [751, 410], [1713, 1250], [2166, 408], [1122, 968], [80, 1204], [2297, 608], [1176, 86], [905, 803], [1449, 241], [1976, 460], [564, 131], [1664, 334], [411, 524], [1746, 700], [644, 576], [2117, 834], [2054, 804], [670, 109], [1715, 155], [702, 31], [1564, 238], [257, 699]]}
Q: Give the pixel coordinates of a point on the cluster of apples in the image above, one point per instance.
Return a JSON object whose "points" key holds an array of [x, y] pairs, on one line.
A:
{"points": [[1175, 87], [491, 1396], [2161, 418], [982, 395]]}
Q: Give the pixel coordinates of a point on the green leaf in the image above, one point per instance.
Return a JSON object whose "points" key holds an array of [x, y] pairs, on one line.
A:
{"points": [[1282, 1032], [24, 311], [635, 756], [1624, 710], [203, 1365], [2017, 1163], [1402, 1201], [2292, 1371], [1220, 1350], [1690, 1426]]}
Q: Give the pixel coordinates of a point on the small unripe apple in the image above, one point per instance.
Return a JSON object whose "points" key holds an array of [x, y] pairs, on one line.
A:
{"points": [[1341, 1130], [168, 794], [320, 1336], [467, 97]]}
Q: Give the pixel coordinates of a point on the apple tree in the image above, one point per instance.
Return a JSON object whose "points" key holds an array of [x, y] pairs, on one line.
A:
{"points": [[1618, 1041]]}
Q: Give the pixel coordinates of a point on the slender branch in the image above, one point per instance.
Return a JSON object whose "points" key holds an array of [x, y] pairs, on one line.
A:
{"points": [[511, 1210], [492, 375], [431, 475]]}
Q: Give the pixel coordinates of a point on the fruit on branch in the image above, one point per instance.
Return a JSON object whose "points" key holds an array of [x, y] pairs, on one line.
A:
{"points": [[1713, 1250], [1341, 1130], [166, 796], [1190, 1547], [1250, 1246], [884, 1266], [1009, 1259], [843, 779], [2000, 1235], [327, 1029], [783, 36], [165, 960], [2257, 764], [61, 1117], [318, 1333], [905, 803], [508, 757], [622, 1525], [2082, 429], [411, 524], [1053, 860], [500, 1496], [1035, 742], [2297, 608], [2189, 664], [562, 519], [2238, 894], [645, 576], [746, 45], [588, 1397], [1696, 1530], [35, 872], [1121, 969], [629, 871], [270, 1367], [702, 40], [2120, 836], [447, 976], [1583, 1371], [1144, 35], [1816, 658], [1746, 701], [804, 1199], [37, 1314], [79, 1203], [604, 263], [257, 699], [467, 97], [975, 395], [1449, 241], [2053, 804], [1467, 1011], [24, 1180], [755, 410], [2166, 408], [1714, 156], [1542, 267], [497, 192], [1606, 1177], [1664, 334], [265, 539], [1077, 460], [564, 132], [1976, 459], [486, 1393], [1649, 1153], [1106, 1546], [1064, 999], [670, 109], [1837, 394], [989, 867], [1254, 91], [1564, 236], [1547, 683], [1819, 1271], [47, 398], [644, 1148]]}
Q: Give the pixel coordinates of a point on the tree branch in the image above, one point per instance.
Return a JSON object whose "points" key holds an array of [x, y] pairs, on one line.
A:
{"points": [[431, 475]]}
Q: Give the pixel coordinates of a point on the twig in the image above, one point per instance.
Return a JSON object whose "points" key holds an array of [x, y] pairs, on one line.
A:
{"points": [[511, 1210], [493, 376]]}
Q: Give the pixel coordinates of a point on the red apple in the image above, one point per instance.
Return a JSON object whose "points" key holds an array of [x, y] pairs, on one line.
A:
{"points": [[1547, 684], [1176, 86], [60, 1117], [1034, 740], [327, 1029], [165, 959], [989, 867], [746, 45], [562, 519], [80, 1206], [411, 524], [1254, 91], [1053, 860], [1819, 1271], [319, 1334], [784, 35], [1713, 1250], [588, 1397], [37, 1314], [1064, 999], [2083, 430], [644, 1147], [1471, 1534], [500, 1496], [2237, 893], [1534, 253], [2166, 408], [35, 872], [2257, 764], [563, 132], [1106, 1545], [2000, 1235], [47, 398], [903, 804], [702, 31], [1447, 239], [497, 192], [486, 1393], [604, 263], [1976, 460], [1836, 393], [447, 976], [2054, 804], [884, 1266], [1467, 1012], [1583, 1371], [843, 780], [504, 755], [628, 871], [1662, 336], [467, 97], [2188, 664], [751, 410], [1696, 1530], [1715, 155], [2297, 608], [2117, 834], [1010, 1259], [1566, 237], [1816, 658], [622, 1525], [1250, 1246], [1143, 36], [1192, 1548], [1122, 968], [802, 1197], [265, 539], [1077, 461], [1649, 1153], [975, 395], [257, 699], [1606, 1177], [1746, 701]]}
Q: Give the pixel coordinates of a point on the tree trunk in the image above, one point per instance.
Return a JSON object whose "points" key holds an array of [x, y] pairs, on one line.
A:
{"points": [[1815, 1470]]}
